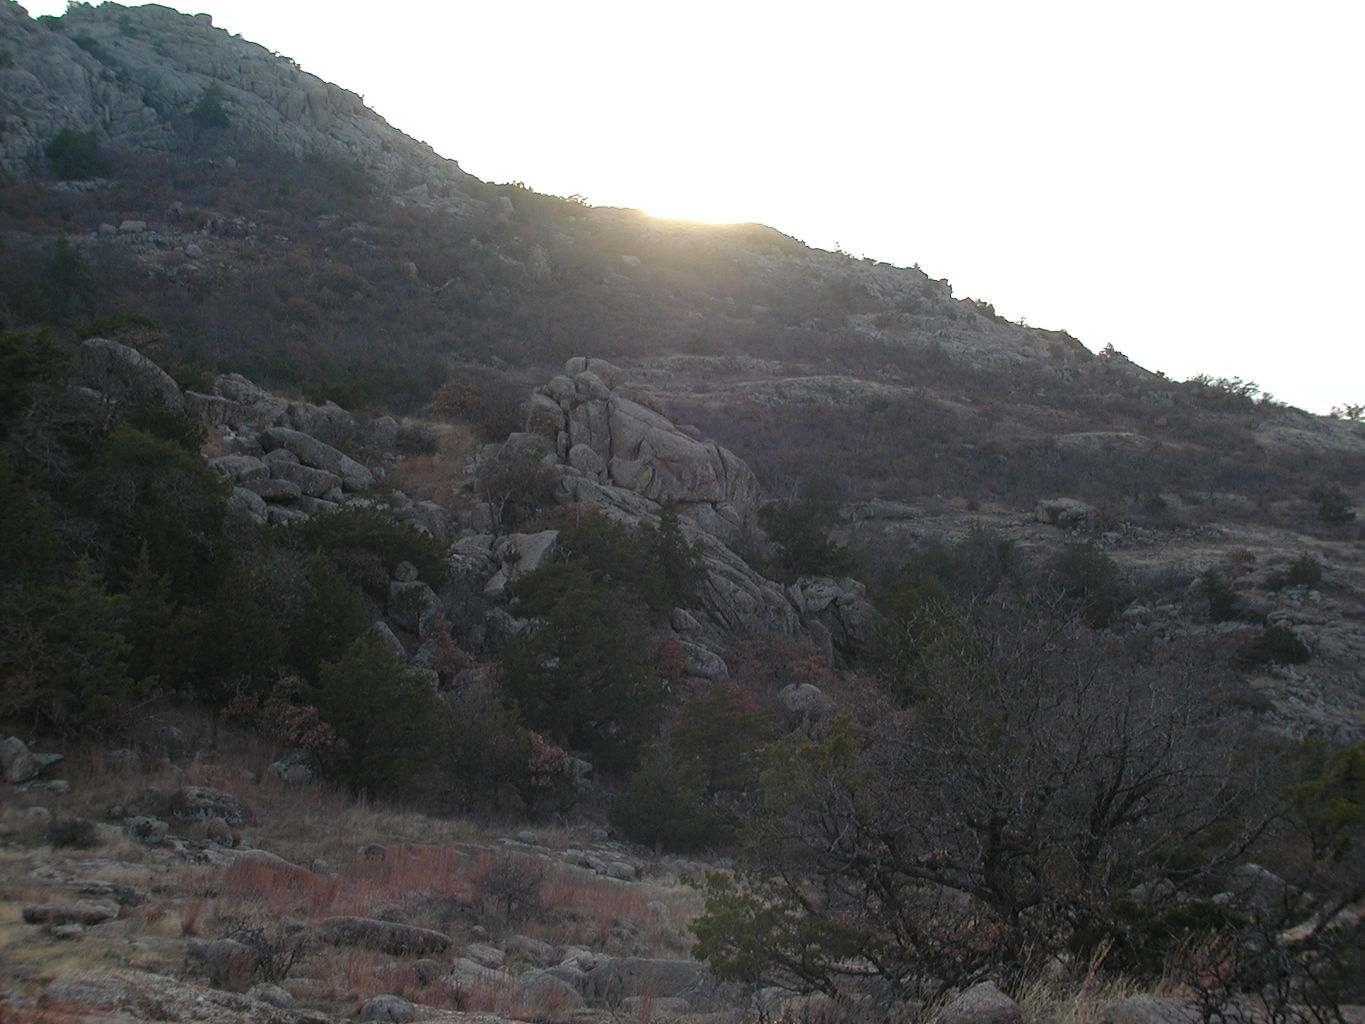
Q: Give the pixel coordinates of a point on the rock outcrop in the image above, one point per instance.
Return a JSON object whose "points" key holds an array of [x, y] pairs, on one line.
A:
{"points": [[611, 449], [152, 80], [389, 936], [607, 435]]}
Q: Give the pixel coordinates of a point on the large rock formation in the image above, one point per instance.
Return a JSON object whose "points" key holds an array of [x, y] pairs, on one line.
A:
{"points": [[613, 450], [607, 435], [603, 443], [135, 78]]}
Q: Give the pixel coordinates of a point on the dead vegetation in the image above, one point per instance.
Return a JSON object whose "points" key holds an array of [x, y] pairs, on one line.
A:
{"points": [[328, 854]]}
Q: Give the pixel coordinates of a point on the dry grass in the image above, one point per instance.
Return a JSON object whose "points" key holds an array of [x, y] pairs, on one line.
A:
{"points": [[340, 855], [1073, 994], [439, 477]]}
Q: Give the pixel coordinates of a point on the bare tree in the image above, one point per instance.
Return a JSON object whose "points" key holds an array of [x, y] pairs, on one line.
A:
{"points": [[1043, 770]]}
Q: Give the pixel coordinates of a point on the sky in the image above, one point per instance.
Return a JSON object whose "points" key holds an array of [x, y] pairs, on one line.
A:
{"points": [[1182, 180]]}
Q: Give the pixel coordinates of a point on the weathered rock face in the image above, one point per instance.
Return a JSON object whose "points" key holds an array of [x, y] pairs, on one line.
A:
{"points": [[122, 372], [602, 432], [611, 451], [17, 764], [389, 936], [982, 1004], [133, 76], [1149, 1009], [618, 978], [837, 609], [314, 453], [125, 995], [83, 912]]}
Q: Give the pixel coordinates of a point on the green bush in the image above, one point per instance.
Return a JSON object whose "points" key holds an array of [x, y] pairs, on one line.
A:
{"points": [[799, 530], [1141, 938], [208, 113], [27, 543], [62, 291], [375, 533], [517, 488], [332, 616], [71, 833], [690, 791], [918, 622], [970, 569], [1276, 644], [1090, 579], [76, 156], [581, 673], [1304, 571], [152, 417], [388, 717], [26, 360], [70, 670], [1223, 603], [153, 493], [663, 807], [1333, 505]]}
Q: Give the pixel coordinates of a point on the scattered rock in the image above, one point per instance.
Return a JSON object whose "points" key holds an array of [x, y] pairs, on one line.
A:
{"points": [[1064, 512], [272, 995], [16, 761], [128, 996], [426, 970], [312, 452], [147, 830], [485, 955], [124, 372], [247, 504], [387, 1008], [197, 802], [388, 936], [1260, 891], [218, 831], [239, 468], [123, 895], [409, 602], [293, 771], [1149, 1009], [841, 609], [551, 994], [83, 912], [273, 489], [389, 639], [982, 1004], [523, 947], [465, 972], [227, 963], [804, 706], [617, 978], [656, 1007], [314, 483]]}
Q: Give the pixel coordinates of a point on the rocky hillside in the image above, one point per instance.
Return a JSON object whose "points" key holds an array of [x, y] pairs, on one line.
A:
{"points": [[192, 168], [600, 437], [144, 78], [330, 475], [209, 893]]}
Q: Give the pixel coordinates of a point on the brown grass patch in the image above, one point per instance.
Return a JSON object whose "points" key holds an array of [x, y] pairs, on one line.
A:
{"points": [[439, 477]]}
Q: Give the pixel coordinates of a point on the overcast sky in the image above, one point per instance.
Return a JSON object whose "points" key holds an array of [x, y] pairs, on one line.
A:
{"points": [[1182, 180]]}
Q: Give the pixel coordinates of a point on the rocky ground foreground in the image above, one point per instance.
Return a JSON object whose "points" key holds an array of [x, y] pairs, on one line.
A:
{"points": [[134, 887]]}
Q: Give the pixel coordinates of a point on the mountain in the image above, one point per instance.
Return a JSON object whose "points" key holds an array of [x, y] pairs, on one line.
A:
{"points": [[269, 222], [330, 473]]}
